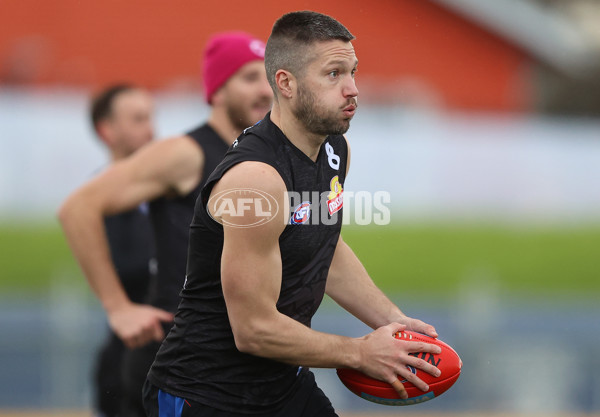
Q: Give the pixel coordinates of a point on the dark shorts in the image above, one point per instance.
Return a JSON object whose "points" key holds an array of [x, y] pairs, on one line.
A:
{"points": [[308, 401], [136, 364], [119, 377], [107, 377]]}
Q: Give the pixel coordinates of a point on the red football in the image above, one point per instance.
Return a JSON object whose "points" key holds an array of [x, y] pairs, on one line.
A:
{"points": [[382, 393]]}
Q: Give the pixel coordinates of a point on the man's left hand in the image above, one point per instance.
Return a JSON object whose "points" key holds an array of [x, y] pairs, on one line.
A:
{"points": [[417, 326]]}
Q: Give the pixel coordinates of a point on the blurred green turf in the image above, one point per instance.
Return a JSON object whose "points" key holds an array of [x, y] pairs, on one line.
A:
{"points": [[436, 259], [32, 255]]}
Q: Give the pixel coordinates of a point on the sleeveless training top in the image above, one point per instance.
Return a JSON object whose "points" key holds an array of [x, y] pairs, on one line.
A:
{"points": [[171, 217], [199, 360], [132, 249]]}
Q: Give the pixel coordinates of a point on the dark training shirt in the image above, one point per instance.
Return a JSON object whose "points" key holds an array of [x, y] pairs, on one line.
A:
{"points": [[199, 359], [171, 217]]}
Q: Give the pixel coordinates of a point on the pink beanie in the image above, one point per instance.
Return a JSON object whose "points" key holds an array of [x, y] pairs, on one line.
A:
{"points": [[225, 53]]}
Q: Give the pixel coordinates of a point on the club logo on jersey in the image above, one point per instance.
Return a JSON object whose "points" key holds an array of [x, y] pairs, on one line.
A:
{"points": [[335, 199], [332, 158], [301, 214]]}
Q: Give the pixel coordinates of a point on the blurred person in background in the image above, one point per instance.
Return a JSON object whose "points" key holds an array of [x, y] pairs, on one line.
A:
{"points": [[123, 119], [169, 174]]}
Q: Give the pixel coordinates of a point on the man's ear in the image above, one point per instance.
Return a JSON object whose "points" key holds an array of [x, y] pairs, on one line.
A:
{"points": [[104, 132], [286, 83], [218, 97]]}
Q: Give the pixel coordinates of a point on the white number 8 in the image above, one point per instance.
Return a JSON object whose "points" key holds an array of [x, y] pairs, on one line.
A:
{"points": [[332, 158]]}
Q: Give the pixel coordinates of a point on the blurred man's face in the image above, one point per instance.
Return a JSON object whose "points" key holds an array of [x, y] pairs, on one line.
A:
{"points": [[131, 124], [247, 95], [326, 99]]}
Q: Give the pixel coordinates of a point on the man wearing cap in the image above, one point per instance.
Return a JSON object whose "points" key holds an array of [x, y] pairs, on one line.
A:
{"points": [[169, 174]]}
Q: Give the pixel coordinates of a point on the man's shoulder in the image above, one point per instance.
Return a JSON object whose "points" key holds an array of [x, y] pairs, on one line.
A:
{"points": [[181, 145], [257, 128], [200, 132], [173, 159], [252, 172], [261, 137], [254, 142]]}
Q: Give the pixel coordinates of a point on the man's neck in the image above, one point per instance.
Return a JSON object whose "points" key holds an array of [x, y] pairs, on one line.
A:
{"points": [[115, 155], [221, 123], [309, 143]]}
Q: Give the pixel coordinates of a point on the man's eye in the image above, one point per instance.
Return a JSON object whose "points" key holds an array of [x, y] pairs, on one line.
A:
{"points": [[251, 77], [334, 74]]}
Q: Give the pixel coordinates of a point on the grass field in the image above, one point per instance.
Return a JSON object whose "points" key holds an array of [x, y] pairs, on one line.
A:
{"points": [[438, 259], [432, 258]]}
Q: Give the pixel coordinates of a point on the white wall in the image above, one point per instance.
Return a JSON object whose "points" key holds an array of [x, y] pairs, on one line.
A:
{"points": [[434, 165]]}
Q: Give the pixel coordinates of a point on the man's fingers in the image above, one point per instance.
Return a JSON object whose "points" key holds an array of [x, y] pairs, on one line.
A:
{"points": [[404, 373], [429, 330], [144, 335], [133, 342], [397, 385], [422, 327], [150, 334], [423, 365], [396, 327], [129, 338], [421, 347], [158, 333], [141, 325], [129, 342], [165, 315]]}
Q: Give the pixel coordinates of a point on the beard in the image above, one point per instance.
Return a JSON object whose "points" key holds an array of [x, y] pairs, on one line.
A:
{"points": [[318, 119], [242, 116]]}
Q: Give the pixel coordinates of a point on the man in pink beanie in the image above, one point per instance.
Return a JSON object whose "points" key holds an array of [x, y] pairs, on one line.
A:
{"points": [[227, 57], [169, 175], [225, 53]]}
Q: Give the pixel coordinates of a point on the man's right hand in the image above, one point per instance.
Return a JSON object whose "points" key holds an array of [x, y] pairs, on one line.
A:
{"points": [[385, 358], [138, 324]]}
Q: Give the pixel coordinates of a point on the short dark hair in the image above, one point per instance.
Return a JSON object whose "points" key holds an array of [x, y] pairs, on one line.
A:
{"points": [[292, 33], [102, 103]]}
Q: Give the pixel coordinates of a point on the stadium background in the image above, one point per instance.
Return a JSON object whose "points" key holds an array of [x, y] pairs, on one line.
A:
{"points": [[483, 129]]}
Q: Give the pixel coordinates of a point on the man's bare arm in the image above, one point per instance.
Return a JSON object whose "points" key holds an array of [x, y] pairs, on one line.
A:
{"points": [[251, 274], [169, 166], [349, 284]]}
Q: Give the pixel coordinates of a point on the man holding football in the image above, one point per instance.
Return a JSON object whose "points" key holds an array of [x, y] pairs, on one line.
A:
{"points": [[242, 343]]}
